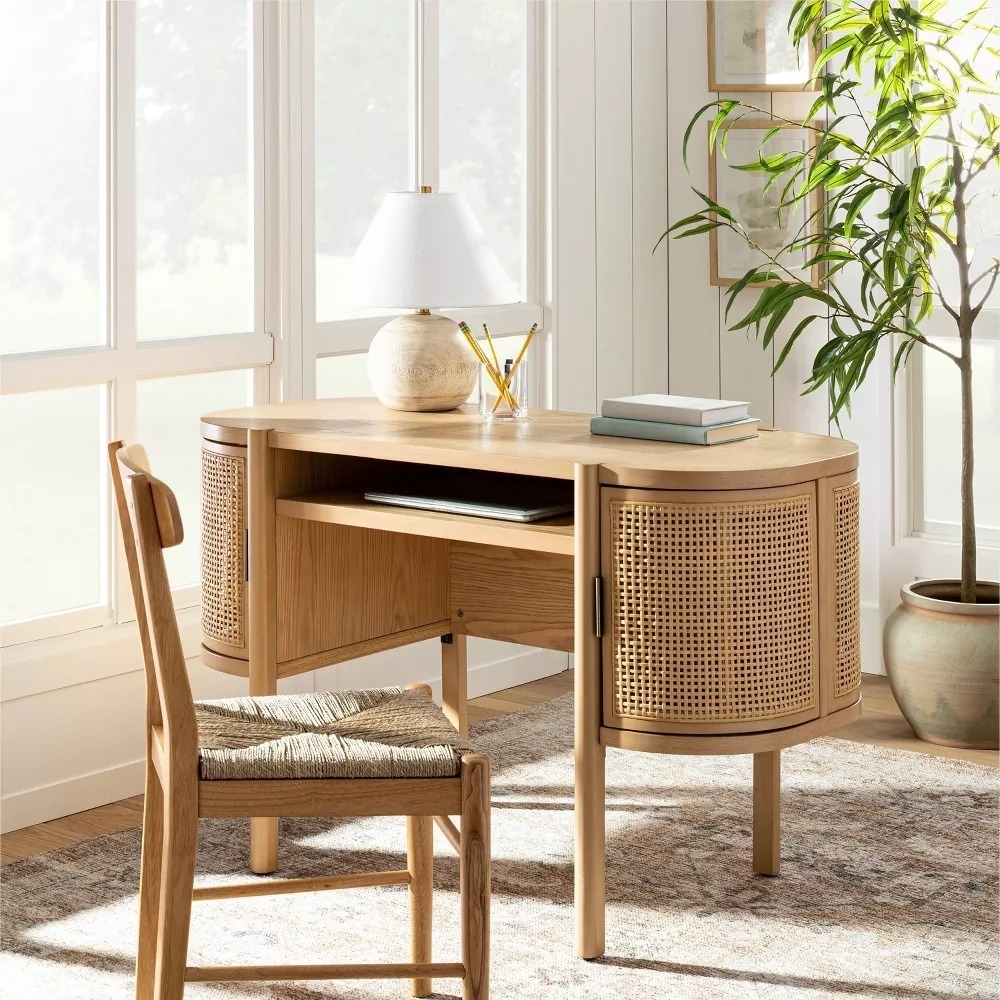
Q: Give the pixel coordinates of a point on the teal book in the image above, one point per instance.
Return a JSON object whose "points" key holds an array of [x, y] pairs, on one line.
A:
{"points": [[653, 430]]}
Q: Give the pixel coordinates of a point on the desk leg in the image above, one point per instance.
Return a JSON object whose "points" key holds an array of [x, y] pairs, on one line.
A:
{"points": [[589, 754], [767, 813], [455, 680], [262, 614]]}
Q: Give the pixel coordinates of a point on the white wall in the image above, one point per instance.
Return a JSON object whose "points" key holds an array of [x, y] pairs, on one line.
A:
{"points": [[630, 76]]}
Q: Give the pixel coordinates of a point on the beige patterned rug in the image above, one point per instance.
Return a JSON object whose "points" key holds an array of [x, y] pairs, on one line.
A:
{"points": [[889, 886]]}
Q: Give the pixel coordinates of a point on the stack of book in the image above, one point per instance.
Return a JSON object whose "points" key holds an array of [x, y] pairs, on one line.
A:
{"points": [[685, 419]]}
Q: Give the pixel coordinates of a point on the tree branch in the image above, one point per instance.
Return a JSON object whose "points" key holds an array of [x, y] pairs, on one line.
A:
{"points": [[921, 339], [935, 228], [978, 308], [993, 154], [940, 294]]}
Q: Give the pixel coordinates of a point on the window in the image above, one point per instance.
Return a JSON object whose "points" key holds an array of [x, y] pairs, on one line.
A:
{"points": [[405, 93], [50, 205], [934, 391], [938, 462], [136, 289], [130, 282], [194, 217]]}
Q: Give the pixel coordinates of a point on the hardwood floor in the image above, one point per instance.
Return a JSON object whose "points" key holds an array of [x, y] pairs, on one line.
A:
{"points": [[881, 725]]}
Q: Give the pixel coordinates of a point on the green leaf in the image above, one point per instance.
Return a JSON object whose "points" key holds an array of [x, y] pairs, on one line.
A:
{"points": [[687, 132], [725, 107], [790, 343]]}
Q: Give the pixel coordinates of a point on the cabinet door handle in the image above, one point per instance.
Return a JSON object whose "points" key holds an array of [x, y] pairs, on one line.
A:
{"points": [[598, 606]]}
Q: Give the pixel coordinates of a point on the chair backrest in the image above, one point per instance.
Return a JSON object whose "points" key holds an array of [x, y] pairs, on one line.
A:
{"points": [[151, 522]]}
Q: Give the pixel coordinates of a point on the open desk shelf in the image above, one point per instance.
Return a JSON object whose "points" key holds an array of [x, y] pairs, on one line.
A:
{"points": [[352, 510]]}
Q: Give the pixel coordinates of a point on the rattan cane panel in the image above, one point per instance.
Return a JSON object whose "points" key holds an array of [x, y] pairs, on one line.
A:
{"points": [[223, 554], [847, 570], [713, 609]]}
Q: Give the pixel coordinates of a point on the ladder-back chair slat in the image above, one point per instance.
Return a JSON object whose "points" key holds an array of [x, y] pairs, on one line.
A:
{"points": [[151, 523]]}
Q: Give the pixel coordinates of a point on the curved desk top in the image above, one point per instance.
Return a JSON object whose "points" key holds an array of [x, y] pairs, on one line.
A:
{"points": [[548, 443]]}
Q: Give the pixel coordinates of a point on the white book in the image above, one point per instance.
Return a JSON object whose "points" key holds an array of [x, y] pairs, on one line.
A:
{"points": [[676, 409]]}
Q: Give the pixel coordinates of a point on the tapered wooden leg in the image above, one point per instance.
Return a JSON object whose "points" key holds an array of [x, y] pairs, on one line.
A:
{"points": [[149, 884], [420, 862], [589, 754], [474, 865], [454, 681], [180, 845], [767, 813], [263, 844], [262, 647]]}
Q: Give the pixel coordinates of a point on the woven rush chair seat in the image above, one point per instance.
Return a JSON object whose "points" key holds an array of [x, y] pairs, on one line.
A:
{"points": [[379, 733]]}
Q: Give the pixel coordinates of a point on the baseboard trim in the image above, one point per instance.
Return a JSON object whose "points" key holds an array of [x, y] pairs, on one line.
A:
{"points": [[871, 640], [73, 795], [515, 670]]}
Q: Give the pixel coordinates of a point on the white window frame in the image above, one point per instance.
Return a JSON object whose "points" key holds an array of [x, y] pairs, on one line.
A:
{"points": [[939, 326], [123, 360], [335, 338]]}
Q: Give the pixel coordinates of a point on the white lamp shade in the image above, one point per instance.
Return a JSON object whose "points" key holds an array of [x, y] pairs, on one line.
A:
{"points": [[425, 251]]}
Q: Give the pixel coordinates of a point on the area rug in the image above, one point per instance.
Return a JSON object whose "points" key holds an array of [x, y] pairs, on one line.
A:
{"points": [[888, 886]]}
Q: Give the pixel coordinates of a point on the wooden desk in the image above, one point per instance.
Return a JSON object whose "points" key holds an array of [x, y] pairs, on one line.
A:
{"points": [[709, 595]]}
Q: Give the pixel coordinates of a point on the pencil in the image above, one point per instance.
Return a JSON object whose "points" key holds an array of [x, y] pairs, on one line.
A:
{"points": [[507, 395], [484, 361], [494, 372], [517, 361]]}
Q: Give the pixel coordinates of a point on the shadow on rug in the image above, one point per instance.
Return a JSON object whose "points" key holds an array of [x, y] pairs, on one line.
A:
{"points": [[888, 886]]}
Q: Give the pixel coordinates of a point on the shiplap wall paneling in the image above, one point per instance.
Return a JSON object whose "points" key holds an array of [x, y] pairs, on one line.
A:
{"points": [[693, 318], [650, 205], [613, 189], [575, 223], [792, 410], [745, 366]]}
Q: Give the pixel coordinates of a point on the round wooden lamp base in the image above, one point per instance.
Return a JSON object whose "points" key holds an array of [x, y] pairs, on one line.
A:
{"points": [[421, 362]]}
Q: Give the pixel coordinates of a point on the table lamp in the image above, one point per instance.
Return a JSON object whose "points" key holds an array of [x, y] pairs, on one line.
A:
{"points": [[422, 251]]}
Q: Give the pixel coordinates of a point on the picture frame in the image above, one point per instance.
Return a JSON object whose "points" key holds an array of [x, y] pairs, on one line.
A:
{"points": [[749, 48], [729, 256]]}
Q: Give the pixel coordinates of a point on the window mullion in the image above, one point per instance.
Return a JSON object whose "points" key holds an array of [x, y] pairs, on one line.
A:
{"points": [[269, 223], [122, 272], [298, 198], [255, 158], [428, 91]]}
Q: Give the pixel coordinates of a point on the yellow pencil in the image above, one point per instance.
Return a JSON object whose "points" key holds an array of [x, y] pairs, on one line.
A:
{"points": [[494, 372], [517, 361], [484, 361], [505, 392]]}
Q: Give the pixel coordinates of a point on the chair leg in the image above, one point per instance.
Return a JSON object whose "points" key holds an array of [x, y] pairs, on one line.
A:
{"points": [[474, 861], [420, 861], [767, 813], [149, 884], [180, 845], [263, 844]]}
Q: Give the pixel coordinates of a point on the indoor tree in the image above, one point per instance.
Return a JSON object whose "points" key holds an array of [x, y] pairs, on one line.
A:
{"points": [[905, 150]]}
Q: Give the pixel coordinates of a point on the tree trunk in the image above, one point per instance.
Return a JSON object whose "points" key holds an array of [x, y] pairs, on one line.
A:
{"points": [[968, 504]]}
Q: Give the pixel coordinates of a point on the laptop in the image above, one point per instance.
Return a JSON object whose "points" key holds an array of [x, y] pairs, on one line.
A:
{"points": [[529, 510]]}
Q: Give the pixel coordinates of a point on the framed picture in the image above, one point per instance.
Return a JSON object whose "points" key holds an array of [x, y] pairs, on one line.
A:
{"points": [[760, 215], [750, 48]]}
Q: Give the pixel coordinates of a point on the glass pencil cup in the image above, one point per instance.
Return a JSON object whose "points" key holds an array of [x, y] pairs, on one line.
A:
{"points": [[512, 405]]}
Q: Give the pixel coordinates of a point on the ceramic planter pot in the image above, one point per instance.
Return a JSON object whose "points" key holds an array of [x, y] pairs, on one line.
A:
{"points": [[943, 662]]}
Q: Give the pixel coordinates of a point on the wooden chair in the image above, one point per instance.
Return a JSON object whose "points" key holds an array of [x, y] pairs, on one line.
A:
{"points": [[370, 753]]}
